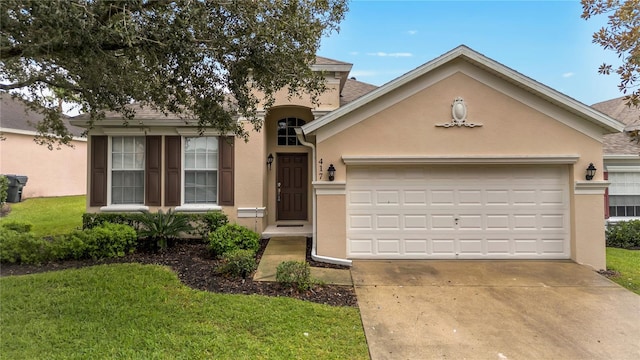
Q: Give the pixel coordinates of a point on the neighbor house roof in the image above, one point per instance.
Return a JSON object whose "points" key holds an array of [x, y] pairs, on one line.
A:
{"points": [[620, 143], [14, 115], [491, 66]]}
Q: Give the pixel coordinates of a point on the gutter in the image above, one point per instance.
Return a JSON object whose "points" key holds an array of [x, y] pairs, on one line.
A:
{"points": [[314, 234]]}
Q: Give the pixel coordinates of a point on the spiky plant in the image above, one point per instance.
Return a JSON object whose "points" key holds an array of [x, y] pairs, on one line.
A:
{"points": [[162, 227]]}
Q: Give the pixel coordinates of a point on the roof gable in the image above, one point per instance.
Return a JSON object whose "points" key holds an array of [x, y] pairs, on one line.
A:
{"points": [[469, 56]]}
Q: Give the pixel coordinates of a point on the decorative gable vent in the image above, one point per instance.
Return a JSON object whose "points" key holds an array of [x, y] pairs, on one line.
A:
{"points": [[459, 115]]}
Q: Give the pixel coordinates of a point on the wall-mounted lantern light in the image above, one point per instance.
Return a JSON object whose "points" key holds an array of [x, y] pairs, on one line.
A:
{"points": [[269, 161], [331, 171], [591, 172]]}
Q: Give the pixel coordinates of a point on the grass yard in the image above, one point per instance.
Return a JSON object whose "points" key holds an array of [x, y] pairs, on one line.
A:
{"points": [[134, 311], [627, 263], [49, 216]]}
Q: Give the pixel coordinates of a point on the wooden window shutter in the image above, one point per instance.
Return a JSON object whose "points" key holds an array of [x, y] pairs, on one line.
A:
{"points": [[225, 170], [173, 156], [99, 157], [153, 170]]}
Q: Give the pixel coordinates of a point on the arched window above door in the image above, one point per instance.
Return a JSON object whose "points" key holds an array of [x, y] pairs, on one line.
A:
{"points": [[287, 133]]}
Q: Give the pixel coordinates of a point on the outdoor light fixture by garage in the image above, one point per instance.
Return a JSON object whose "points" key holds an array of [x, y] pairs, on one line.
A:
{"points": [[331, 171], [591, 171], [269, 161]]}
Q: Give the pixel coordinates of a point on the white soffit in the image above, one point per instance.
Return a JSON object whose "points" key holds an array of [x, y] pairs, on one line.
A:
{"points": [[597, 118]]}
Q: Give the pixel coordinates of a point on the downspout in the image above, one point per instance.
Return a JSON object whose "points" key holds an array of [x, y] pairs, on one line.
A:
{"points": [[314, 226]]}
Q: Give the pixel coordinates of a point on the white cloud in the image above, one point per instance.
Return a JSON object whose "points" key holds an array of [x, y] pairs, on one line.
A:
{"points": [[567, 75], [384, 54], [353, 53], [412, 32]]}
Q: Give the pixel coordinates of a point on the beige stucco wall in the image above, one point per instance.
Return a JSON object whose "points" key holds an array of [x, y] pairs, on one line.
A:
{"points": [[515, 123], [50, 172], [327, 101], [332, 210]]}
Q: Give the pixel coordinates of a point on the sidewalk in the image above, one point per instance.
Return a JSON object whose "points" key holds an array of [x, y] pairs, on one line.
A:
{"points": [[281, 249]]}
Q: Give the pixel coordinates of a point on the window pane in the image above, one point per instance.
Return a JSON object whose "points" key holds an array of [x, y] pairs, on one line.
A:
{"points": [[201, 161], [127, 187]]}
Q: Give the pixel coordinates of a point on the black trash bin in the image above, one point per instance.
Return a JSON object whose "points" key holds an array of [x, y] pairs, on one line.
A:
{"points": [[16, 183]]}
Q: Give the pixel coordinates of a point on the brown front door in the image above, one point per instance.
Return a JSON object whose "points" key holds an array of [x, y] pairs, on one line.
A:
{"points": [[291, 186]]}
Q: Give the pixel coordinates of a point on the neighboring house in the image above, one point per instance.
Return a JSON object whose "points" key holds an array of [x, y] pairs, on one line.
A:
{"points": [[57, 172], [461, 158], [622, 162]]}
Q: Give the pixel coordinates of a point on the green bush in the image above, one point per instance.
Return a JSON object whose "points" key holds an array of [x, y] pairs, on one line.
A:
{"points": [[161, 227], [294, 274], [91, 220], [110, 240], [23, 248], [74, 245], [18, 226], [239, 262], [204, 224], [4, 189], [623, 234], [233, 237]]}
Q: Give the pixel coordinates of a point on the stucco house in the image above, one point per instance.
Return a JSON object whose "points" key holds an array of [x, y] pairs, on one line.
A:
{"points": [[460, 158], [621, 162], [57, 172]]}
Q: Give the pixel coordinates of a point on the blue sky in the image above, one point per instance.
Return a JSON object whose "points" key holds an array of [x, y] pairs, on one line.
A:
{"points": [[545, 40]]}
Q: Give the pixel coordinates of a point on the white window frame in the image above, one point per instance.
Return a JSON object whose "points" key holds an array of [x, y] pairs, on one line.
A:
{"points": [[197, 207], [121, 207], [616, 170]]}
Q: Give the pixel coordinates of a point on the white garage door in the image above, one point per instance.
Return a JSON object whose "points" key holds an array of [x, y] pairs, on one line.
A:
{"points": [[458, 212]]}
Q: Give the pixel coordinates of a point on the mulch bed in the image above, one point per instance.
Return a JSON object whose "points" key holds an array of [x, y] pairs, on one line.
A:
{"points": [[195, 266]]}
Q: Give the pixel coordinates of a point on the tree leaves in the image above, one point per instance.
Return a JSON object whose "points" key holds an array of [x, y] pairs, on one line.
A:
{"points": [[201, 59]]}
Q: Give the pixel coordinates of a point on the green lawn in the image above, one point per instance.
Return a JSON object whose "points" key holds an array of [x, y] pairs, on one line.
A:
{"points": [[627, 263], [49, 216], [132, 311]]}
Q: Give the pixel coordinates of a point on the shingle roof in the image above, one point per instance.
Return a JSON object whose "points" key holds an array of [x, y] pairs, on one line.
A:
{"points": [[620, 143], [354, 89], [326, 61], [15, 115]]}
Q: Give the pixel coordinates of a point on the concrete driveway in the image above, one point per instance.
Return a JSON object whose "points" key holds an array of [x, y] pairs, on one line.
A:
{"points": [[494, 310]]}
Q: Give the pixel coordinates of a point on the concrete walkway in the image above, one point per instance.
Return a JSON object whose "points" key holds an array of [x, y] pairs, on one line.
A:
{"points": [[494, 310], [281, 249]]}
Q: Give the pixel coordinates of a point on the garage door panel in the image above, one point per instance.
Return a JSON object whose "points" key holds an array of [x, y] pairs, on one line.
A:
{"points": [[361, 222], [415, 222], [388, 222], [389, 246], [458, 212], [471, 246], [443, 222]]}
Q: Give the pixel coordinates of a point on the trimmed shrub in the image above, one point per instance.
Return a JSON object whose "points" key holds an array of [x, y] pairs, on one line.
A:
{"points": [[239, 262], [71, 246], [295, 274], [17, 226], [4, 189], [204, 224], [23, 248], [110, 240], [91, 220], [233, 237], [624, 234]]}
